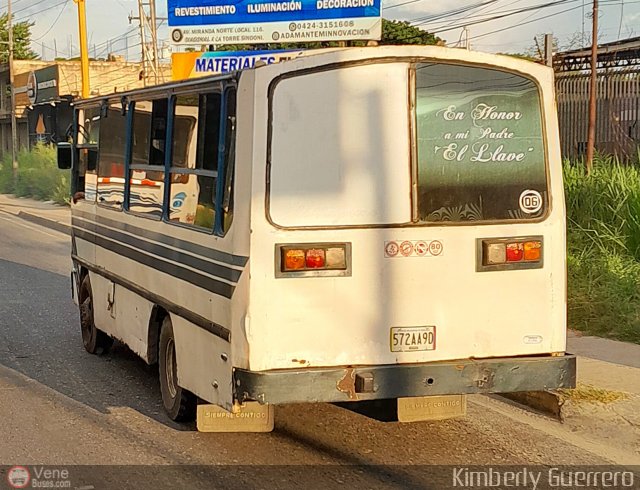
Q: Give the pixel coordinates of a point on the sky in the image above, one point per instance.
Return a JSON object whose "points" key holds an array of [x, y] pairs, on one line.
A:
{"points": [[109, 29]]}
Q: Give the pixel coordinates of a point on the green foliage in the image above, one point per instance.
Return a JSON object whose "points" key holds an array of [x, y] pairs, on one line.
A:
{"points": [[393, 32], [38, 176], [603, 211], [21, 40], [401, 32], [604, 207], [604, 295]]}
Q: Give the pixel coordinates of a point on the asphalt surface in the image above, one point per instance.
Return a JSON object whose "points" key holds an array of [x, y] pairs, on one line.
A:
{"points": [[62, 406]]}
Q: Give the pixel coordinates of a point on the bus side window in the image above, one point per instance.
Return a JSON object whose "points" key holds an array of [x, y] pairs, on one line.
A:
{"points": [[113, 136], [87, 147], [229, 159], [195, 159], [146, 174]]}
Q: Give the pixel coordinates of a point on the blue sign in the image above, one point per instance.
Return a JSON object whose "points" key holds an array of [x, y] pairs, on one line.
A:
{"points": [[224, 62], [194, 65], [259, 21], [208, 12]]}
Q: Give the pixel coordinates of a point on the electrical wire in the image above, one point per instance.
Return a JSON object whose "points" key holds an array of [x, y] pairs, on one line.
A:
{"points": [[54, 22], [477, 15], [525, 23], [504, 14], [27, 17]]}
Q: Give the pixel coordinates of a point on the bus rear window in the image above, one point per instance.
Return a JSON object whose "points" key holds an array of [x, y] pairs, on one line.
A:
{"points": [[481, 153]]}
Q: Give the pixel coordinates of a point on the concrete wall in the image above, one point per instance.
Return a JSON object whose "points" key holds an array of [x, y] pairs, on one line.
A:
{"points": [[106, 77]]}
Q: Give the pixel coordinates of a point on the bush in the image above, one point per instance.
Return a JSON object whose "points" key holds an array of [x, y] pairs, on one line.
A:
{"points": [[604, 297], [603, 222], [38, 176]]}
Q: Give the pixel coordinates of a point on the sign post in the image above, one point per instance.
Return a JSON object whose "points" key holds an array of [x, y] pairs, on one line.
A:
{"points": [[199, 22], [84, 51]]}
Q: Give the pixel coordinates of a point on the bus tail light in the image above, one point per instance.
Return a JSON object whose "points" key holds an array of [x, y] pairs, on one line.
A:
{"points": [[510, 253], [313, 259], [533, 250], [515, 252], [294, 260]]}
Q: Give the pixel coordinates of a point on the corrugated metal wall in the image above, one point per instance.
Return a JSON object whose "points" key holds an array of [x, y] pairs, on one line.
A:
{"points": [[618, 130]]}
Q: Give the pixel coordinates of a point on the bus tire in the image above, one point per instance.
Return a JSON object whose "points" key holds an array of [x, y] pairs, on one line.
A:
{"points": [[94, 341], [179, 403]]}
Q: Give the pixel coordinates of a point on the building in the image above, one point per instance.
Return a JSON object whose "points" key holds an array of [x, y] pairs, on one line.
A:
{"points": [[45, 91]]}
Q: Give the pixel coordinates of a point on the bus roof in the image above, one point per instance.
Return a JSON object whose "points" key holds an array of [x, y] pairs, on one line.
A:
{"points": [[336, 55]]}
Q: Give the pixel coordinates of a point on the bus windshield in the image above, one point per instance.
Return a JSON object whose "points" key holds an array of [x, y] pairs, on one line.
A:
{"points": [[481, 153]]}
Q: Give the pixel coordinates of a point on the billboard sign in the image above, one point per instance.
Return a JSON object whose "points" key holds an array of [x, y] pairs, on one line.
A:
{"points": [[194, 65], [289, 21], [37, 87]]}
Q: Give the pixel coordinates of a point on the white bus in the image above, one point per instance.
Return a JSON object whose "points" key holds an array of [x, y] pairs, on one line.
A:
{"points": [[353, 225]]}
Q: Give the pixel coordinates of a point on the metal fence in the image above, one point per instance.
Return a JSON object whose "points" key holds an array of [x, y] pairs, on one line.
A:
{"points": [[618, 124]]}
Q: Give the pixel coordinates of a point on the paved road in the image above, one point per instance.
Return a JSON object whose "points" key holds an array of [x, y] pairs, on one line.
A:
{"points": [[62, 406]]}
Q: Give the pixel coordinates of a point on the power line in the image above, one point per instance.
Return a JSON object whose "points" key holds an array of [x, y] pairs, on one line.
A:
{"points": [[449, 13], [54, 22], [497, 31], [508, 13], [502, 15], [27, 17], [27, 7], [477, 14], [526, 22]]}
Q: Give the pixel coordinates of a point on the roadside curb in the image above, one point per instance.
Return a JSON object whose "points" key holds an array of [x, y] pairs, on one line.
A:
{"points": [[49, 223]]}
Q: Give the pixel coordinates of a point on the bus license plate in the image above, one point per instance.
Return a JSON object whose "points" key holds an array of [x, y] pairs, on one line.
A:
{"points": [[413, 339]]}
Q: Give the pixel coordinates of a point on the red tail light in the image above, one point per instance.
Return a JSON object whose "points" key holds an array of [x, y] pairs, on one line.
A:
{"points": [[315, 259], [515, 252]]}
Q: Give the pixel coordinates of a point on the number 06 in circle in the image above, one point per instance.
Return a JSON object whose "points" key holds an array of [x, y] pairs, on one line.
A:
{"points": [[413, 339]]}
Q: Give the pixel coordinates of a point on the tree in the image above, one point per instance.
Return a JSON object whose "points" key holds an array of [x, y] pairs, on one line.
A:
{"points": [[401, 32], [535, 52], [21, 40], [393, 32]]}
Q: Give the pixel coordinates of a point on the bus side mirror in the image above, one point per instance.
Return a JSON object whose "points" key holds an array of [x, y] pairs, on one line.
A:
{"points": [[64, 156]]}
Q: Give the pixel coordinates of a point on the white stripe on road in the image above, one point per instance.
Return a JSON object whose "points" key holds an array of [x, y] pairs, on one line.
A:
{"points": [[18, 221]]}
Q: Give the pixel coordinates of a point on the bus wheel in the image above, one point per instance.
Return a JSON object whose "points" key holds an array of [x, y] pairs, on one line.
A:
{"points": [[179, 403], [94, 340]]}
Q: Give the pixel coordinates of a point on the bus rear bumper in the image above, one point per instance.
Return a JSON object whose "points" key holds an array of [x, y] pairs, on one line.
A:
{"points": [[350, 384]]}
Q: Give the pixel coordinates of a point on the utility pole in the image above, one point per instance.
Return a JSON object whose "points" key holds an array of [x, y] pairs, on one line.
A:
{"points": [[150, 61], [466, 36], [14, 123], [84, 52], [593, 96]]}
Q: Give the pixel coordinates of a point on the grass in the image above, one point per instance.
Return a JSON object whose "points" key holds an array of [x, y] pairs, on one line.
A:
{"points": [[38, 176], [603, 221], [584, 393]]}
